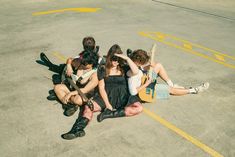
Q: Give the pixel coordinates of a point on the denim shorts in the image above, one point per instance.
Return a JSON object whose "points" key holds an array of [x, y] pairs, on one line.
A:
{"points": [[163, 91]]}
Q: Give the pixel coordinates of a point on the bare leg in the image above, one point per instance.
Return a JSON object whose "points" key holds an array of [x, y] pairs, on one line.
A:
{"points": [[81, 123], [88, 113], [133, 109], [160, 70], [77, 100], [61, 90], [178, 91], [128, 111]]}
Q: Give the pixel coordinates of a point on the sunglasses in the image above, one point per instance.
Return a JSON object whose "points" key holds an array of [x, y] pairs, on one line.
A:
{"points": [[115, 58]]}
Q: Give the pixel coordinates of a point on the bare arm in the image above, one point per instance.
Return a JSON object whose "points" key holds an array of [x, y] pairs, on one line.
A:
{"points": [[104, 95], [134, 82], [69, 69], [69, 61], [143, 85], [133, 66], [93, 82]]}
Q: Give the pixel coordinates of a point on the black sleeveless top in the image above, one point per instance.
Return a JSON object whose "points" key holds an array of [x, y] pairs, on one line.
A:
{"points": [[116, 87]]}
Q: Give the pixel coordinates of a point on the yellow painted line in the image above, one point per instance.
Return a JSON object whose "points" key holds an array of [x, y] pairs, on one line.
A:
{"points": [[219, 57], [183, 134], [59, 56], [199, 46], [191, 50], [168, 124], [83, 10], [188, 46]]}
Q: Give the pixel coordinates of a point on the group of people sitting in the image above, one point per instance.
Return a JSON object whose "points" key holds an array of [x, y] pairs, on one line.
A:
{"points": [[111, 83]]}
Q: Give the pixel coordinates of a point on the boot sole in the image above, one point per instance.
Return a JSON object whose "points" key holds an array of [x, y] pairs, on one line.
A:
{"points": [[98, 118], [73, 136]]}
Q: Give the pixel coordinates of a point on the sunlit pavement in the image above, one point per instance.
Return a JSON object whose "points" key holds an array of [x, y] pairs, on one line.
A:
{"points": [[195, 43]]}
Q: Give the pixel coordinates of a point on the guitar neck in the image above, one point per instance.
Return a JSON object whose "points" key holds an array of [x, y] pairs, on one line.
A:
{"points": [[78, 89], [150, 72], [152, 60]]}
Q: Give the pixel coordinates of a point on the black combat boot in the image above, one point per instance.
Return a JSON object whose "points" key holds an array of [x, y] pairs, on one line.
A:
{"points": [[52, 95], [110, 114], [55, 68], [70, 109], [77, 129]]}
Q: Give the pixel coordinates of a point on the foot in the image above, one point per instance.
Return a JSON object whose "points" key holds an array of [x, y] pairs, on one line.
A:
{"points": [[72, 135], [45, 59], [77, 129], [52, 96], [70, 109], [103, 115], [202, 87]]}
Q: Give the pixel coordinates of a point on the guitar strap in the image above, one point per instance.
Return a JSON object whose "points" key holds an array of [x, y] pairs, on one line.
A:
{"points": [[85, 75]]}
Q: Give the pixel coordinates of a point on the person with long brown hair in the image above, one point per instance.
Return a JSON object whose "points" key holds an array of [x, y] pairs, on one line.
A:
{"points": [[113, 99]]}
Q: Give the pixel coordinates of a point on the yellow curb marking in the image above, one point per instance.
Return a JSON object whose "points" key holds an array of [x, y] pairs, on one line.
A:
{"points": [[182, 133], [83, 10], [187, 46], [167, 124]]}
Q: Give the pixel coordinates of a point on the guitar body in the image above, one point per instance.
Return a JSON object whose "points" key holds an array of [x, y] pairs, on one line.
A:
{"points": [[148, 94]]}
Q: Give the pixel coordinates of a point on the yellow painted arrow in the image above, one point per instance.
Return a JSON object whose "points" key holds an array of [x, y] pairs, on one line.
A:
{"points": [[87, 10]]}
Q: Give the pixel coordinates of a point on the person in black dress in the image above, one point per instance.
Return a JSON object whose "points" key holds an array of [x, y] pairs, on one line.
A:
{"points": [[113, 99]]}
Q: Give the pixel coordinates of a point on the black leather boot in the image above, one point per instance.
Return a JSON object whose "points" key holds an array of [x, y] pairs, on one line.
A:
{"points": [[70, 109], [52, 96], [77, 129], [110, 114]]}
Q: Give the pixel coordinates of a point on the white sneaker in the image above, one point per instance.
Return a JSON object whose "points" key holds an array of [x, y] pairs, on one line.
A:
{"points": [[202, 87]]}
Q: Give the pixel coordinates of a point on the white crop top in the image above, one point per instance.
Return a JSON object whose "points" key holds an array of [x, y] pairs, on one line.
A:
{"points": [[134, 82]]}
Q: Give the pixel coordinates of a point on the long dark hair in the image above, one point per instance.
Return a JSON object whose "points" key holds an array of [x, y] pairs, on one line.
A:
{"points": [[89, 57], [115, 49]]}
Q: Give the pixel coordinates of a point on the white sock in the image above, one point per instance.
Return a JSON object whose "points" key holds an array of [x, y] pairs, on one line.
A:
{"points": [[170, 83]]}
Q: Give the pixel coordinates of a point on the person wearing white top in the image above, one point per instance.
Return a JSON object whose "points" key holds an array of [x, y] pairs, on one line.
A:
{"points": [[141, 59]]}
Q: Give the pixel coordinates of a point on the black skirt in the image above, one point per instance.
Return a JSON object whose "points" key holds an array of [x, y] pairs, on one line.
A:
{"points": [[116, 88]]}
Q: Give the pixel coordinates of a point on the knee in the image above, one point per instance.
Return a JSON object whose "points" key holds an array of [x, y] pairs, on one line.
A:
{"points": [[158, 66], [139, 108], [57, 88], [135, 109], [77, 100]]}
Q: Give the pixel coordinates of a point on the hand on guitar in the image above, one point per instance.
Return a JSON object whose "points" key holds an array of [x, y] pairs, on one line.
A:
{"points": [[147, 81]]}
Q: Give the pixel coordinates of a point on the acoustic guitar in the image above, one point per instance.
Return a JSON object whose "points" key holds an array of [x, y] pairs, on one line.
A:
{"points": [[148, 94]]}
